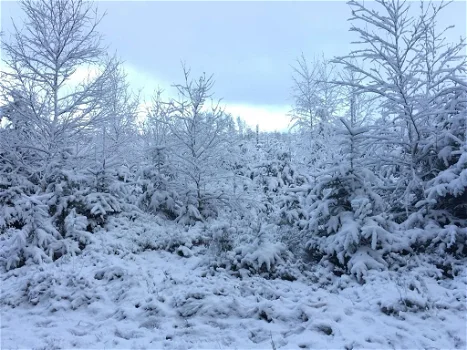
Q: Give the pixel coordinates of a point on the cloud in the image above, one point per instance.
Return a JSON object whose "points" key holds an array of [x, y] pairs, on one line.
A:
{"points": [[267, 117], [84, 73], [146, 82]]}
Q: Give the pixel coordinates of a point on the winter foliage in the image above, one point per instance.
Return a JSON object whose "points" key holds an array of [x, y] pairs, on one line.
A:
{"points": [[190, 223]]}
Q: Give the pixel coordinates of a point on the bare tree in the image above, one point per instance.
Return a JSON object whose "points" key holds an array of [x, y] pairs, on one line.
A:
{"points": [[155, 128], [316, 99], [400, 53], [359, 106], [405, 62], [199, 128], [115, 144], [58, 71], [120, 124]]}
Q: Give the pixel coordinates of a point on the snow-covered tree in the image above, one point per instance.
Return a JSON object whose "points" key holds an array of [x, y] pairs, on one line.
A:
{"points": [[405, 62], [199, 132], [57, 70], [347, 219], [53, 91], [316, 99]]}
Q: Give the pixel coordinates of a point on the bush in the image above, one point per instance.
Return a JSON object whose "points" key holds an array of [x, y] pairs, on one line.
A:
{"points": [[254, 254]]}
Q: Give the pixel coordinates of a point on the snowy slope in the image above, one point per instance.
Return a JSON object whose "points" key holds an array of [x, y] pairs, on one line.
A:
{"points": [[117, 295]]}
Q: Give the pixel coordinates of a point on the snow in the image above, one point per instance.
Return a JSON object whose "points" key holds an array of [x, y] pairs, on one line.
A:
{"points": [[187, 230], [121, 294]]}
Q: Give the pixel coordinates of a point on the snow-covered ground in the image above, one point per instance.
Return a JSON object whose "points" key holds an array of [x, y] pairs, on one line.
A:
{"points": [[118, 295]]}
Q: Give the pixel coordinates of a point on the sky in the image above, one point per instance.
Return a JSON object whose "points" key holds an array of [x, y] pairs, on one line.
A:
{"points": [[248, 46]]}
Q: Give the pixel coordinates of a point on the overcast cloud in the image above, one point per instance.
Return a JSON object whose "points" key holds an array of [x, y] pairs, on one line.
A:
{"points": [[248, 46]]}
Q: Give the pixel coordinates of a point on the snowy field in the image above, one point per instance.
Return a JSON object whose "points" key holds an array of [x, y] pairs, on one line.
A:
{"points": [[136, 216], [119, 294]]}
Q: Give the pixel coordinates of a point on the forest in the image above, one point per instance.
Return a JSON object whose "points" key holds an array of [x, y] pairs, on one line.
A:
{"points": [[179, 226]]}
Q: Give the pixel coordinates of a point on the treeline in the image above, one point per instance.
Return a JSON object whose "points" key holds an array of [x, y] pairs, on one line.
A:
{"points": [[373, 171]]}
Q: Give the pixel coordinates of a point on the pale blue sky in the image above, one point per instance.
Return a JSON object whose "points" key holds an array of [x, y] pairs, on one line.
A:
{"points": [[248, 46]]}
